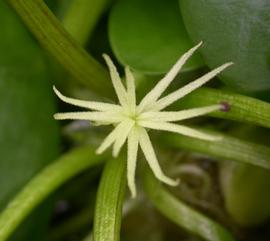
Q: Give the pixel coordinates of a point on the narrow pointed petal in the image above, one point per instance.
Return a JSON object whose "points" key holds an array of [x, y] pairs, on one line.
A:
{"points": [[180, 93], [131, 95], [151, 158], [179, 115], [110, 139], [100, 106], [116, 80], [133, 142], [122, 136], [91, 116], [162, 85], [179, 129]]}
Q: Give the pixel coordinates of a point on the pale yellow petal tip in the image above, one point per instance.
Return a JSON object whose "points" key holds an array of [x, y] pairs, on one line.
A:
{"points": [[56, 116], [107, 58], [132, 189], [54, 88], [57, 92], [199, 44], [108, 61], [174, 183], [219, 138], [99, 151], [115, 153], [169, 181], [133, 193], [216, 138], [228, 64], [193, 49]]}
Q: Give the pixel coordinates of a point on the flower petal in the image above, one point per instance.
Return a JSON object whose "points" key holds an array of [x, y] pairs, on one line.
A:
{"points": [[94, 105], [133, 142], [116, 80], [162, 85], [151, 158], [179, 115], [109, 117], [176, 95], [110, 139], [122, 136], [131, 95], [180, 129]]}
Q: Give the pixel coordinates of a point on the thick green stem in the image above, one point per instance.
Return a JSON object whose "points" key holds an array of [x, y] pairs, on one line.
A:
{"points": [[55, 39], [228, 148], [82, 16], [181, 214], [43, 184], [241, 108], [110, 197]]}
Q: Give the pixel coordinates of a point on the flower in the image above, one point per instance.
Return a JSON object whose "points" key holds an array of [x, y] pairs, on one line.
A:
{"points": [[132, 121]]}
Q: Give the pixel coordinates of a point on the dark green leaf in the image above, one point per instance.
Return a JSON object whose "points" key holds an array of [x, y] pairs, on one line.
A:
{"points": [[149, 35], [235, 31], [29, 135]]}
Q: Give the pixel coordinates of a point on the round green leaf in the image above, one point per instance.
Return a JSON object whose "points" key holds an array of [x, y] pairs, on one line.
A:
{"points": [[149, 35], [235, 31]]}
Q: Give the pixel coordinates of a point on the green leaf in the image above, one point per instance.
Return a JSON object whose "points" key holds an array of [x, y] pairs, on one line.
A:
{"points": [[40, 187], [110, 197], [29, 136], [182, 214], [246, 193], [149, 35], [242, 108], [235, 31], [228, 148]]}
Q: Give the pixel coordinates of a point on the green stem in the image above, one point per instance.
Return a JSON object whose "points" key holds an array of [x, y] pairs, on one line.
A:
{"points": [[56, 40], [43, 184], [110, 197], [181, 214], [82, 16], [228, 148], [242, 108]]}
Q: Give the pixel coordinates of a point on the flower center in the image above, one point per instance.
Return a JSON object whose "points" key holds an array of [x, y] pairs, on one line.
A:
{"points": [[133, 115]]}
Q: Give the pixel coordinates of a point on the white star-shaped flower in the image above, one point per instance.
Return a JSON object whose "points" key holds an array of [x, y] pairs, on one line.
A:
{"points": [[132, 121]]}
